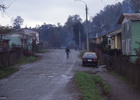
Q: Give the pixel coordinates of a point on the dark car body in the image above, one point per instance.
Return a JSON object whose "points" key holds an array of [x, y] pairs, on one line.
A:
{"points": [[90, 58]]}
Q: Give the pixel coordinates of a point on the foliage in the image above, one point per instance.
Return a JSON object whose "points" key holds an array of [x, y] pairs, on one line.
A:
{"points": [[107, 19], [112, 52], [5, 29], [135, 5], [24, 59], [137, 50], [59, 36], [17, 22], [92, 46], [5, 72], [104, 42], [87, 86], [52, 36], [34, 46]]}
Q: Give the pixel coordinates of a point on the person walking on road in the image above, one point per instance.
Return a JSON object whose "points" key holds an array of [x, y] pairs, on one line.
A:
{"points": [[67, 51]]}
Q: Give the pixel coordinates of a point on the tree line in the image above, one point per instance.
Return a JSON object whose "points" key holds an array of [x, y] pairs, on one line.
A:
{"points": [[58, 36]]}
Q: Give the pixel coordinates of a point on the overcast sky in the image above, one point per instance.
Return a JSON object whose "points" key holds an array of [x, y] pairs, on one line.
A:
{"points": [[49, 11]]}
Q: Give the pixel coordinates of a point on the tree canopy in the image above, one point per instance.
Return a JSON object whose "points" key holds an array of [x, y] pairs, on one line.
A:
{"points": [[17, 22]]}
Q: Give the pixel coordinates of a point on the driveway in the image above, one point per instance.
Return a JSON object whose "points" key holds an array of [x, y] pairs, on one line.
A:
{"points": [[47, 79]]}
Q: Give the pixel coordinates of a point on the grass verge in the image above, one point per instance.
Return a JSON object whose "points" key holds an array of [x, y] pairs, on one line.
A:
{"points": [[87, 85], [24, 59], [5, 72], [105, 87]]}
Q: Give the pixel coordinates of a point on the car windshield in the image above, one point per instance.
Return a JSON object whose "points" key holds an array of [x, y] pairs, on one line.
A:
{"points": [[89, 56]]}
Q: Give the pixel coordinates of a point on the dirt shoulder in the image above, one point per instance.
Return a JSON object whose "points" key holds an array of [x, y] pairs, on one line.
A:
{"points": [[120, 90]]}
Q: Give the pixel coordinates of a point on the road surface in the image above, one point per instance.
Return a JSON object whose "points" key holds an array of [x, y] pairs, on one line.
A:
{"points": [[46, 79], [51, 78]]}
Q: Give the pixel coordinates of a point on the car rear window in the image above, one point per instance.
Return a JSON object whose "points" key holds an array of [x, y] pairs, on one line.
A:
{"points": [[89, 56]]}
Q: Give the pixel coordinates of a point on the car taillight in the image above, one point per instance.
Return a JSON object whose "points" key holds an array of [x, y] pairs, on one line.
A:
{"points": [[84, 59], [94, 59]]}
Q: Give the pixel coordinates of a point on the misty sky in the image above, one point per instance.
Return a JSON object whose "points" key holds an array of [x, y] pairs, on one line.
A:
{"points": [[49, 11]]}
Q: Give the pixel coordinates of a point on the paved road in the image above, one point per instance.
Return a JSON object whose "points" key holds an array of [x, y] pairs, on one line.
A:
{"points": [[46, 79]]}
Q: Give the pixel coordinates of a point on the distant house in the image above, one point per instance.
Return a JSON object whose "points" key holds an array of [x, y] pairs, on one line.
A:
{"points": [[114, 39], [99, 39], [22, 38], [130, 32]]}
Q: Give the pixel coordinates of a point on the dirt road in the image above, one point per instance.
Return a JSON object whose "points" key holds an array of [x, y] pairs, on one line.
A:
{"points": [[51, 78], [47, 79]]}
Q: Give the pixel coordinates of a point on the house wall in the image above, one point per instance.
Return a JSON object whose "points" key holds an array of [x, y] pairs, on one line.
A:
{"points": [[16, 39], [135, 29], [113, 42], [97, 41], [13, 40], [102, 38], [117, 42]]}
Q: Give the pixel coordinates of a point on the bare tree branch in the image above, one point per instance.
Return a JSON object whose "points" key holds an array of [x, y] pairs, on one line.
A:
{"points": [[3, 7]]}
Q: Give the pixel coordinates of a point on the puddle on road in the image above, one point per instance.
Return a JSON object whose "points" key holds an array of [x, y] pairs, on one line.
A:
{"points": [[41, 75], [65, 78], [51, 76]]}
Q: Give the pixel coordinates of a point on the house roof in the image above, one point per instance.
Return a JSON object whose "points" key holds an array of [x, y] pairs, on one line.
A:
{"points": [[22, 32], [115, 32], [129, 16]]}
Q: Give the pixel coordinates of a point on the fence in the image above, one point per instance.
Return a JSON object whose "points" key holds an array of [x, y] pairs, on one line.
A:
{"points": [[10, 57], [122, 66]]}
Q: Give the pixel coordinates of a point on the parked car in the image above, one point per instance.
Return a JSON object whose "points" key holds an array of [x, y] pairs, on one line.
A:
{"points": [[90, 58]]}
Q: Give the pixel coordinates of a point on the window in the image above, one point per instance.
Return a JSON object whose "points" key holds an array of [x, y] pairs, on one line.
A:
{"points": [[109, 41], [128, 44], [23, 41], [123, 45]]}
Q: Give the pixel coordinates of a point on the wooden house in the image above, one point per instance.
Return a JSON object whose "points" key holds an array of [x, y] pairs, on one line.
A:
{"points": [[130, 23]]}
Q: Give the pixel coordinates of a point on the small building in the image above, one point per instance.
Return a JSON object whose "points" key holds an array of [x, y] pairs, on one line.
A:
{"points": [[130, 23], [22, 38]]}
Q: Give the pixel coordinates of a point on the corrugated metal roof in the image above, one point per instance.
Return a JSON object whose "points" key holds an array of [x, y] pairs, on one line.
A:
{"points": [[129, 16]]}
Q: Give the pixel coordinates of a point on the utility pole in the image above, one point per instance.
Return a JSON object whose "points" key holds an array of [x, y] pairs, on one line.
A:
{"points": [[87, 27], [87, 38], [80, 40]]}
